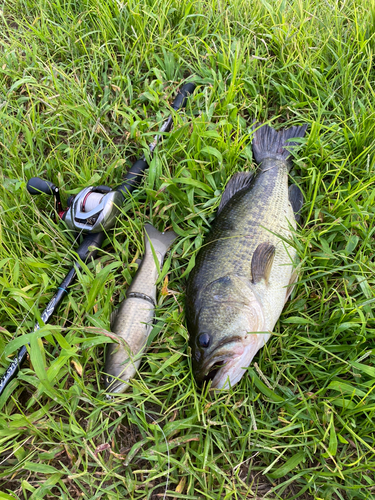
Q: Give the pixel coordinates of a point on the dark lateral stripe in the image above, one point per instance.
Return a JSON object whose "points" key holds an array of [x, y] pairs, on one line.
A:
{"points": [[139, 295]]}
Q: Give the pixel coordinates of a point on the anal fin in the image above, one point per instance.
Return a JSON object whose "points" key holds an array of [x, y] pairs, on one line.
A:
{"points": [[296, 200], [262, 261], [236, 183]]}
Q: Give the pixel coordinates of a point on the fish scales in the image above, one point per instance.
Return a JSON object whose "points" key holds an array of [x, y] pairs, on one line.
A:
{"points": [[223, 305], [252, 216], [249, 212], [133, 319]]}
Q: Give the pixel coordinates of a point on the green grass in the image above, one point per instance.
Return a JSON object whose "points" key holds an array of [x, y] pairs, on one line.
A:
{"points": [[83, 85]]}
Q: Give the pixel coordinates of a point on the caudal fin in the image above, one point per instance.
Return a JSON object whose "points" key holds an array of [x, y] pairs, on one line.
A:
{"points": [[270, 143], [160, 241]]}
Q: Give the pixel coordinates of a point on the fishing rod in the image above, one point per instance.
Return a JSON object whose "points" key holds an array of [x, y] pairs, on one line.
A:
{"points": [[92, 211]]}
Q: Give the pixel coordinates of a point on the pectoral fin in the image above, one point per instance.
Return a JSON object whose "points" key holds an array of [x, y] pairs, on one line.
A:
{"points": [[296, 200], [261, 263]]}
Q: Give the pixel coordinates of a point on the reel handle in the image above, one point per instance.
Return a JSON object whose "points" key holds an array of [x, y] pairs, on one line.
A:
{"points": [[36, 185], [183, 94]]}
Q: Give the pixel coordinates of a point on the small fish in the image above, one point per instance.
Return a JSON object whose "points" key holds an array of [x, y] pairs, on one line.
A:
{"points": [[134, 318], [244, 272]]}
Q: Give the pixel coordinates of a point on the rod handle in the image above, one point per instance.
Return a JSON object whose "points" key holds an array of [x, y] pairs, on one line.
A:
{"points": [[94, 240], [183, 94], [36, 185], [133, 177]]}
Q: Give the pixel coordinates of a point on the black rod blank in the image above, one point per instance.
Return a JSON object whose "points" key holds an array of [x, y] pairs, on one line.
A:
{"points": [[135, 174]]}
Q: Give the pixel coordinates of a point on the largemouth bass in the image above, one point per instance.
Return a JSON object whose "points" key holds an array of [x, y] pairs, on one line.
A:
{"points": [[134, 318], [244, 270]]}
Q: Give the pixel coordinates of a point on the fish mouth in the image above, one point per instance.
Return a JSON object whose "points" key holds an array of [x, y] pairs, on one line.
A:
{"points": [[218, 373], [222, 352], [213, 371], [217, 368], [114, 386], [228, 365]]}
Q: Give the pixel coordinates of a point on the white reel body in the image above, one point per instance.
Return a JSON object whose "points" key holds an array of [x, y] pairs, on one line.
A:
{"points": [[94, 209]]}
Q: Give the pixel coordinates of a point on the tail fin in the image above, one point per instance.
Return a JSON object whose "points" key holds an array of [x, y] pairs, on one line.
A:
{"points": [[269, 143], [160, 241]]}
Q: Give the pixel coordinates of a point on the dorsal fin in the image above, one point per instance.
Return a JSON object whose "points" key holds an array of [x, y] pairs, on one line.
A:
{"points": [[237, 182], [261, 263]]}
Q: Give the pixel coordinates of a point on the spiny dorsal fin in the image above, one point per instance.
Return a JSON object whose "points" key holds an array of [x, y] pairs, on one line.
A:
{"points": [[296, 200], [261, 263], [237, 182]]}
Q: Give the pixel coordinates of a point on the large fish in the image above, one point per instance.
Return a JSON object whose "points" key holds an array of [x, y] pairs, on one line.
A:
{"points": [[244, 271], [134, 318]]}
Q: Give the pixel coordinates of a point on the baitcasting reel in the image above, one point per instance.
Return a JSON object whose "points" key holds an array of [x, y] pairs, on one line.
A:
{"points": [[92, 210], [95, 209]]}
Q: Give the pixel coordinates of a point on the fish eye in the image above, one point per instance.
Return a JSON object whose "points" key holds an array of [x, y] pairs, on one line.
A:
{"points": [[204, 340]]}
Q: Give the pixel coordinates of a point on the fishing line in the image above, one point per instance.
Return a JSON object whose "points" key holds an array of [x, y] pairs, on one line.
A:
{"points": [[14, 451], [166, 442], [163, 433], [95, 222]]}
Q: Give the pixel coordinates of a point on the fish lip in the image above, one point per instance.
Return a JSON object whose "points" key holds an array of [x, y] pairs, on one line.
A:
{"points": [[221, 357], [214, 357], [212, 361], [222, 373], [224, 360], [235, 338], [115, 386]]}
